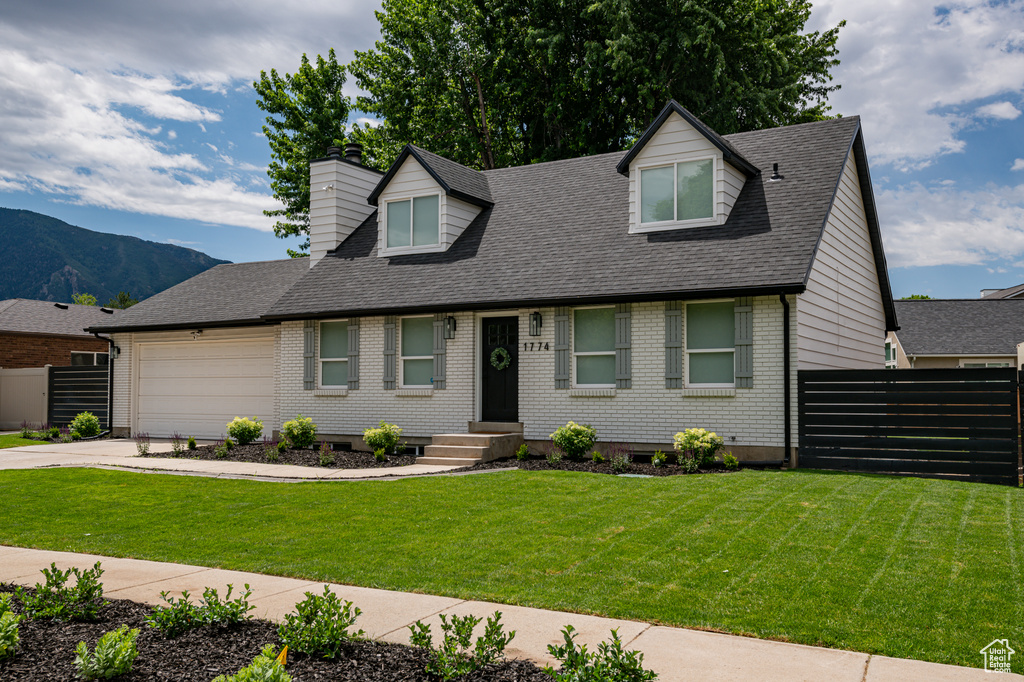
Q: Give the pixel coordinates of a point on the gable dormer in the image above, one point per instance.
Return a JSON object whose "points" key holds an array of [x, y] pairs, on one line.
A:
{"points": [[682, 174], [425, 202]]}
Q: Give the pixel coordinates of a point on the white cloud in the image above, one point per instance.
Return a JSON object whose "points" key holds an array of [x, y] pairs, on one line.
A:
{"points": [[913, 69], [1001, 110], [1018, 164], [923, 226], [171, 135]]}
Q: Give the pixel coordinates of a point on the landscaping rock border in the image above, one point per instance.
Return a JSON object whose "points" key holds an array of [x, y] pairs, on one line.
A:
{"points": [[255, 452]]}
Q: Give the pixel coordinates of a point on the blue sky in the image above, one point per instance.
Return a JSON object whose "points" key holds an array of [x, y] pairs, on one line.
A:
{"points": [[139, 118]]}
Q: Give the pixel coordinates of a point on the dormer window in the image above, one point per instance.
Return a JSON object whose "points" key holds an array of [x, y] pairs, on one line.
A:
{"points": [[682, 193], [413, 223]]}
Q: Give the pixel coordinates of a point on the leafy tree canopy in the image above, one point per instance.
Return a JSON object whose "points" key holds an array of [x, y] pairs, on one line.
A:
{"points": [[83, 299], [917, 297], [307, 114], [122, 300]]}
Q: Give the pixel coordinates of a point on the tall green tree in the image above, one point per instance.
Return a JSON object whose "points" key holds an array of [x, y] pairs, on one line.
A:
{"points": [[122, 301], [307, 113], [83, 299]]}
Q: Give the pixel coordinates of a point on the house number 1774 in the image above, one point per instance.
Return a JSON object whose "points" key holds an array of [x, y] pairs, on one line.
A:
{"points": [[531, 345]]}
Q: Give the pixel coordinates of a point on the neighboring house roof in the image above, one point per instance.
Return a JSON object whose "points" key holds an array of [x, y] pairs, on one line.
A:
{"points": [[457, 180], [973, 326], [1009, 292], [232, 294], [26, 316], [730, 153], [557, 233]]}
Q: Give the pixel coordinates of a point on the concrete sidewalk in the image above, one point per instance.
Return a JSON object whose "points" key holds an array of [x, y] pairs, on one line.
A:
{"points": [[676, 654], [121, 453]]}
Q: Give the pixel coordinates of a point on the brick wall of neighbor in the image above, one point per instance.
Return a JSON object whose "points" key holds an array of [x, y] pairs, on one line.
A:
{"points": [[648, 413], [34, 350]]}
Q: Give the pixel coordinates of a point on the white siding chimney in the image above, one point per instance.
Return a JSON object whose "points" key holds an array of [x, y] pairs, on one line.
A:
{"points": [[337, 202]]}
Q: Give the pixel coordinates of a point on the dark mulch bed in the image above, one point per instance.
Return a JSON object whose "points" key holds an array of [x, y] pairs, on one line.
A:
{"points": [[46, 652], [255, 452], [638, 467]]}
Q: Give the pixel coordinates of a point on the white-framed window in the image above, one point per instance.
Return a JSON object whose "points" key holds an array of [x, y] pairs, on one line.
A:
{"points": [[333, 371], [87, 359], [890, 355], [977, 365], [711, 344], [416, 358], [677, 194], [593, 347], [413, 224]]}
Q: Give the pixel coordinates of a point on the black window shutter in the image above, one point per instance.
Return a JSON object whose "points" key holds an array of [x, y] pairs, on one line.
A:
{"points": [[673, 344], [440, 350], [389, 352], [744, 312], [353, 354], [623, 346], [309, 355], [562, 359]]}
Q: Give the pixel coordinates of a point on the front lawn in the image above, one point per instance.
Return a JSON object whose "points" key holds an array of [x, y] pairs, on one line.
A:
{"points": [[903, 567], [14, 440]]}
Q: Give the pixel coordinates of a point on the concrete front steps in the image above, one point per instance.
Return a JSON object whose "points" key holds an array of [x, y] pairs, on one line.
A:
{"points": [[485, 441]]}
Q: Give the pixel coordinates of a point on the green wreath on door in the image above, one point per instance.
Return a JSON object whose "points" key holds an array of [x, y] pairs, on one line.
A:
{"points": [[500, 358]]}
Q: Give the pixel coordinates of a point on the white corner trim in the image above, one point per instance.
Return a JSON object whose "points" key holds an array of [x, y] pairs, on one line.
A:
{"points": [[414, 392], [330, 392], [708, 393], [591, 392]]}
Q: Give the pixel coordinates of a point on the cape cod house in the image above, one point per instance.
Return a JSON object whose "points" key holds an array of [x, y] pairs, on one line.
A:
{"points": [[678, 284]]}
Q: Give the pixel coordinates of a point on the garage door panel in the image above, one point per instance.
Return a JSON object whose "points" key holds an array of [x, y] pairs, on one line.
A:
{"points": [[196, 388]]}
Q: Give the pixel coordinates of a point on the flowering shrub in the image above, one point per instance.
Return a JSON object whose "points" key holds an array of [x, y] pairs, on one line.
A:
{"points": [[300, 432], [384, 437], [698, 445], [86, 424], [575, 440], [244, 430]]}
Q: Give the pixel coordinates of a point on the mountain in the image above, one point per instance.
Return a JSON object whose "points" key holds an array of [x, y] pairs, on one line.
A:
{"points": [[47, 259]]}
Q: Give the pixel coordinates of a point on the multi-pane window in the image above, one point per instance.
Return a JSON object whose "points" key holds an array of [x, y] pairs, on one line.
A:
{"points": [[890, 355], [593, 347], [680, 192], [417, 351], [413, 222], [334, 353], [84, 359], [710, 344]]}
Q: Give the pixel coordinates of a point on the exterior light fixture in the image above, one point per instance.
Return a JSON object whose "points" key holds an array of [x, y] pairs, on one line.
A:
{"points": [[449, 327], [196, 334], [536, 322]]}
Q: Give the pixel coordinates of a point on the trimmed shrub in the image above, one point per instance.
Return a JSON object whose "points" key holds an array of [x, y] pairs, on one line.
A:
{"points": [[596, 457], [380, 455], [264, 668], [114, 655], [181, 615], [55, 600], [320, 625], [575, 440], [730, 462], [385, 437], [454, 658], [659, 459], [609, 664], [244, 430], [523, 453], [192, 443], [697, 444], [86, 424], [9, 636], [300, 432]]}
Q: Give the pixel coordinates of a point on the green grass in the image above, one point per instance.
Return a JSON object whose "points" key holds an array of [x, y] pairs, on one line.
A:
{"points": [[15, 440], [903, 567]]}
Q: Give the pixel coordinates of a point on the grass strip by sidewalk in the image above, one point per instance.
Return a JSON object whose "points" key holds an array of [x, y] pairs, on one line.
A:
{"points": [[14, 440], [903, 567]]}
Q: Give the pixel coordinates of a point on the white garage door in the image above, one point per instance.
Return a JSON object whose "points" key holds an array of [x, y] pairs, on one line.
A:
{"points": [[195, 388]]}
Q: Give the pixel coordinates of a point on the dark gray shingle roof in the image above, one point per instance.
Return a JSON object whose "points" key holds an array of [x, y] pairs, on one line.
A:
{"points": [[230, 294], [457, 180], [557, 232], [26, 316], [961, 326]]}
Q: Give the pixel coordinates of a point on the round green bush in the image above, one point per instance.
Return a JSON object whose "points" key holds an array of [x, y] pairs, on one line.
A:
{"points": [[245, 430], [300, 432], [85, 424], [575, 440], [384, 437]]}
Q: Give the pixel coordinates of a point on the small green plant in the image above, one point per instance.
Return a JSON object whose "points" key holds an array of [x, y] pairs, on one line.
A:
{"points": [[86, 424], [214, 611], [26, 431], [380, 454], [58, 601], [244, 430], [282, 446], [52, 433], [596, 457], [609, 664], [454, 657], [697, 444], [553, 455], [270, 449], [300, 432], [689, 463], [575, 440], [264, 668], [66, 435], [9, 636], [220, 450], [326, 456], [730, 462], [142, 443], [178, 617], [659, 459], [177, 445], [192, 443], [181, 615], [523, 453], [228, 443], [320, 625], [385, 437], [620, 464], [114, 655]]}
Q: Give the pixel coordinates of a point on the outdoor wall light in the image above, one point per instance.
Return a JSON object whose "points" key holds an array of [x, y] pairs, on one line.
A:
{"points": [[196, 334], [449, 327], [536, 322]]}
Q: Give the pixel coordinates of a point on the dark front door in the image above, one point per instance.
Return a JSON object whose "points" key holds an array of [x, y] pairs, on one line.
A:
{"points": [[500, 387]]}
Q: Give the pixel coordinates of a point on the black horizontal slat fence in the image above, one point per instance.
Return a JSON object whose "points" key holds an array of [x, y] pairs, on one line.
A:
{"points": [[944, 423], [78, 389]]}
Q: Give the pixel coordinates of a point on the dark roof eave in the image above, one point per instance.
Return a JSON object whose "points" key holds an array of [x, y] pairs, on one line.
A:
{"points": [[220, 324], [793, 288], [730, 155]]}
